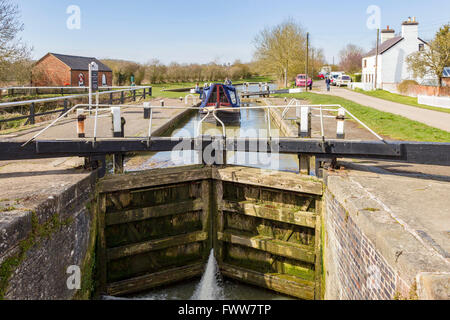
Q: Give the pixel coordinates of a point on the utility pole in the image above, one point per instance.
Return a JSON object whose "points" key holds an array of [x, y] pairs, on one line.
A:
{"points": [[376, 58], [285, 78], [307, 61]]}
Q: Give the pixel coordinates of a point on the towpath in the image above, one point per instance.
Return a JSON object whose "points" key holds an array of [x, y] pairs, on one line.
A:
{"points": [[431, 118]]}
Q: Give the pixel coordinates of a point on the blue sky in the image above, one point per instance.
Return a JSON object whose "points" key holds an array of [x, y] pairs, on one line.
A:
{"points": [[221, 31]]}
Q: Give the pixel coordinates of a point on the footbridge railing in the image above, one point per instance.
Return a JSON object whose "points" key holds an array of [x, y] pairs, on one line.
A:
{"points": [[94, 146], [30, 111]]}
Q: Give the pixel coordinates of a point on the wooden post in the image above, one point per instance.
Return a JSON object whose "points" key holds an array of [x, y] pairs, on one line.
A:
{"points": [[122, 98], [318, 251], [101, 246], [111, 98], [219, 220], [143, 95], [207, 221], [134, 95], [32, 112], [65, 106]]}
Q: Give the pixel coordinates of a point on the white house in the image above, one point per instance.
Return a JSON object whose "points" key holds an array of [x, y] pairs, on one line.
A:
{"points": [[392, 54]]}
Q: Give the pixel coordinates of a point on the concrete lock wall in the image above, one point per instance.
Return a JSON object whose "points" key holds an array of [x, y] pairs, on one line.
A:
{"points": [[39, 246], [371, 255]]}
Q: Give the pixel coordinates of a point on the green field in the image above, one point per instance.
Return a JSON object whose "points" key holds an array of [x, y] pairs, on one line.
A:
{"points": [[387, 124], [411, 101]]}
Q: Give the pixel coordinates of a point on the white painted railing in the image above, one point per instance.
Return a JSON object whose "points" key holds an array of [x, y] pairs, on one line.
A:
{"points": [[434, 101]]}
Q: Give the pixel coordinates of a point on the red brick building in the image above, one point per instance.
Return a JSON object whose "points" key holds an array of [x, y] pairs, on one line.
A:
{"points": [[58, 70]]}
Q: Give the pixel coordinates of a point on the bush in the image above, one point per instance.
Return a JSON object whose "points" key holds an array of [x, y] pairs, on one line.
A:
{"points": [[403, 87], [357, 78]]}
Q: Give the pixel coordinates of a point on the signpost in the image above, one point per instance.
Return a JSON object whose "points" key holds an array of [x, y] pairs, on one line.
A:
{"points": [[93, 81]]}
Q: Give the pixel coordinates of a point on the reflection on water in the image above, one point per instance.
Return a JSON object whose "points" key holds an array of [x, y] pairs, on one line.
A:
{"points": [[253, 124]]}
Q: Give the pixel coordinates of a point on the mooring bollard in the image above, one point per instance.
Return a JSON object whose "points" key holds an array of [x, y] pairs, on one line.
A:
{"points": [[304, 161], [162, 103], [147, 110], [118, 132], [341, 124], [117, 122], [80, 123], [305, 122]]}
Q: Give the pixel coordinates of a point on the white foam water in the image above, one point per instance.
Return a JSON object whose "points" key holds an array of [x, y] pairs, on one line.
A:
{"points": [[210, 286]]}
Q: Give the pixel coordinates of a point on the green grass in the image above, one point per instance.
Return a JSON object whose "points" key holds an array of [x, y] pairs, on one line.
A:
{"points": [[384, 123], [411, 101], [159, 93]]}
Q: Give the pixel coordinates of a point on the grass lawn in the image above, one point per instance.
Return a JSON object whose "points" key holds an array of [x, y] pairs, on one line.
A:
{"points": [[387, 124], [411, 101]]}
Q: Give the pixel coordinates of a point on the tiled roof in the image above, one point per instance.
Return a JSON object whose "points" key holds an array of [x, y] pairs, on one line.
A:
{"points": [[385, 46], [80, 63]]}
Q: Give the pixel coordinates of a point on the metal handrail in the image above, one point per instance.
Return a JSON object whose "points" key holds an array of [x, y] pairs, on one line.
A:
{"points": [[73, 88], [36, 101], [266, 108]]}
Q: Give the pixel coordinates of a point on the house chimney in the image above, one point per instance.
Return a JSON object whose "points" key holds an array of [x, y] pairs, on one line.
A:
{"points": [[387, 34], [410, 29]]}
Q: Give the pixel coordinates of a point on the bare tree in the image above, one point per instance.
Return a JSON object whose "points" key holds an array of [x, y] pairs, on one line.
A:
{"points": [[351, 58], [14, 56], [434, 58], [280, 50]]}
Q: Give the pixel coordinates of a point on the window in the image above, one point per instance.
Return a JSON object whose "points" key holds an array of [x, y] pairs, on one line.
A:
{"points": [[421, 47], [365, 63], [233, 97], [213, 97], [223, 98]]}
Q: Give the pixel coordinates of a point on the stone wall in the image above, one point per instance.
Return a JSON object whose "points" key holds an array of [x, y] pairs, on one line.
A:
{"points": [[41, 244], [359, 271], [372, 254]]}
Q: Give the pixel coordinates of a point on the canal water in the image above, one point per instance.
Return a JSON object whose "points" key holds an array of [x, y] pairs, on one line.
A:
{"points": [[253, 124]]}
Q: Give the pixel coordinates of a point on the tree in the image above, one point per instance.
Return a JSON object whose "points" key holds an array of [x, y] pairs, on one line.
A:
{"points": [[14, 56], [281, 50], [434, 58], [350, 58]]}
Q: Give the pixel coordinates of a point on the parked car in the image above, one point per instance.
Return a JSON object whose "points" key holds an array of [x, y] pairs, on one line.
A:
{"points": [[322, 76], [333, 78], [301, 79], [343, 80]]}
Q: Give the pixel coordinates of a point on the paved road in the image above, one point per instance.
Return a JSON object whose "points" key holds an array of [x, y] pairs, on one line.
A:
{"points": [[432, 118]]}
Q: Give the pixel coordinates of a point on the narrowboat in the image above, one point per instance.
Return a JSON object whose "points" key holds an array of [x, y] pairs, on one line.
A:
{"points": [[217, 97]]}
